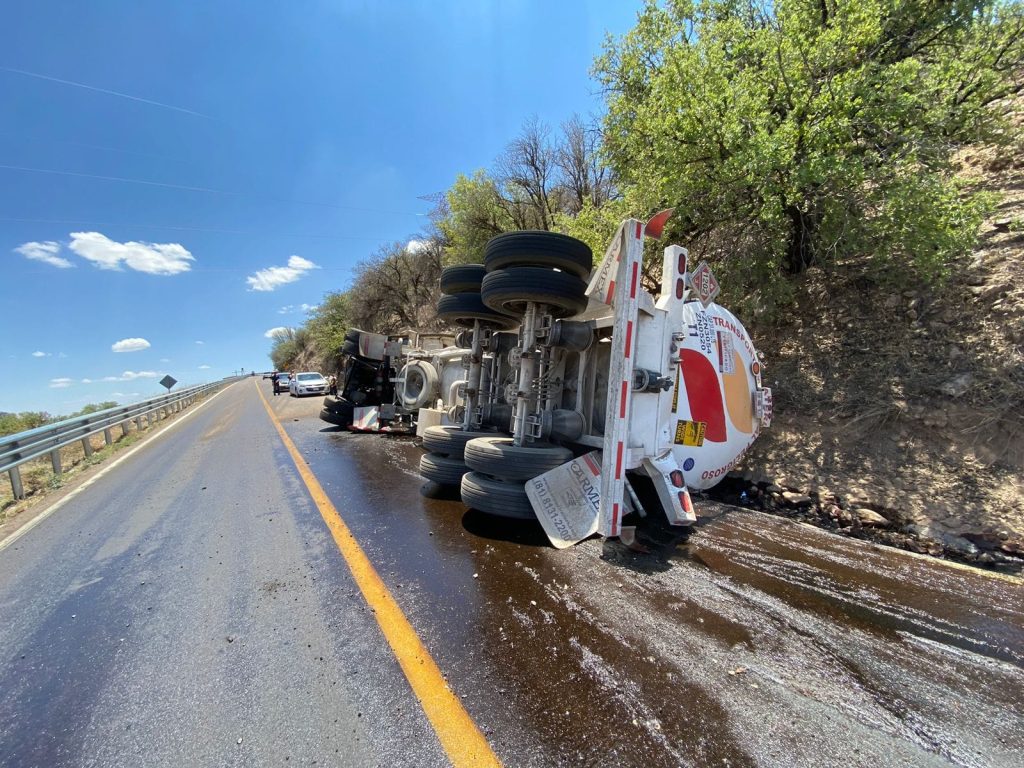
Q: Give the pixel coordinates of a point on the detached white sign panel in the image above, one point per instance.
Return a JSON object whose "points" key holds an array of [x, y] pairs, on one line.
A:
{"points": [[567, 499]]}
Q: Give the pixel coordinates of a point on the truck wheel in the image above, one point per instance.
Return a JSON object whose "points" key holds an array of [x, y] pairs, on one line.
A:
{"points": [[352, 334], [509, 291], [463, 278], [350, 348], [498, 457], [442, 470], [463, 308], [537, 248], [450, 440], [341, 417], [495, 497]]}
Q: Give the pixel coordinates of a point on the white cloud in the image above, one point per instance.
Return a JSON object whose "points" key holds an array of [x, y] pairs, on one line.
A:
{"points": [[62, 383], [87, 381], [151, 258], [272, 278], [61, 355], [416, 246], [40, 354], [132, 375], [200, 343], [130, 345], [44, 252], [204, 367], [274, 331], [300, 308], [165, 360]]}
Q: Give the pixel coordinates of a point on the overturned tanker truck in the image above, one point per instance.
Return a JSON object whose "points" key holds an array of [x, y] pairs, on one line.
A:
{"points": [[569, 388]]}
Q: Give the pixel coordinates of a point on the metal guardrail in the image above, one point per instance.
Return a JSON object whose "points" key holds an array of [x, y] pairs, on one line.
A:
{"points": [[17, 449]]}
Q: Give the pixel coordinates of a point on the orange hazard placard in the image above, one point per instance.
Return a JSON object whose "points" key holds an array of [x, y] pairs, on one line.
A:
{"points": [[690, 433]]}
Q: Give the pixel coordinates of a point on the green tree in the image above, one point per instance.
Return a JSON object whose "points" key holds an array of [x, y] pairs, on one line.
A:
{"points": [[792, 133], [93, 407], [285, 347], [327, 325], [12, 423], [474, 216]]}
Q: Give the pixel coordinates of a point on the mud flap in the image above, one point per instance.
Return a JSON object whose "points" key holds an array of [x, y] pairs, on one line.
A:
{"points": [[366, 419], [567, 500], [671, 487]]}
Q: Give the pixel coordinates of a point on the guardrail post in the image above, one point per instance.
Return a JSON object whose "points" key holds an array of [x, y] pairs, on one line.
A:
{"points": [[55, 460], [138, 423], [125, 427], [16, 487], [108, 437], [87, 445], [149, 419]]}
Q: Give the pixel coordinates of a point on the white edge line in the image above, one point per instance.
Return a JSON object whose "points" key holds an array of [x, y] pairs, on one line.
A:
{"points": [[131, 452]]}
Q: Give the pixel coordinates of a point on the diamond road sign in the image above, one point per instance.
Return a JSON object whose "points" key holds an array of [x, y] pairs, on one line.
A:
{"points": [[168, 381], [705, 284]]}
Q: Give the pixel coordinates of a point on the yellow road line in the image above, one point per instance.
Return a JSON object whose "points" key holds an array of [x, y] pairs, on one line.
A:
{"points": [[461, 739]]}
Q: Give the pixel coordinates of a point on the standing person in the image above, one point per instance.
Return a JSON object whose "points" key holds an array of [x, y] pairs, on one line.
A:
{"points": [[332, 384], [277, 383]]}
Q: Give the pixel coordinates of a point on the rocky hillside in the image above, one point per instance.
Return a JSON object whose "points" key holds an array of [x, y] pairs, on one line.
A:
{"points": [[899, 412]]}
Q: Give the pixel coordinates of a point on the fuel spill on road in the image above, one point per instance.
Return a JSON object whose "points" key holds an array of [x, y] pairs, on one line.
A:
{"points": [[752, 641]]}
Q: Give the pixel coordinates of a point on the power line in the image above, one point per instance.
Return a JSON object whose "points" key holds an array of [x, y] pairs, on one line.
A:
{"points": [[206, 190], [107, 91]]}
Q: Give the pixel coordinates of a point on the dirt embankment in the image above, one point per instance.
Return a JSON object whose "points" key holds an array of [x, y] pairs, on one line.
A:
{"points": [[899, 413]]}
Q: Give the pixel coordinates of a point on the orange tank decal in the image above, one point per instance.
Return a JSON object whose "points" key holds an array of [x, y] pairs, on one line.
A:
{"points": [[737, 396]]}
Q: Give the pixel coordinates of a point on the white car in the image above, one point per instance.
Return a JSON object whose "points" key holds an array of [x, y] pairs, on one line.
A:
{"points": [[308, 383]]}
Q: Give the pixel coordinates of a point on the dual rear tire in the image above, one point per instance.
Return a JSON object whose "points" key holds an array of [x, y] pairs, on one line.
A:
{"points": [[445, 463], [497, 483]]}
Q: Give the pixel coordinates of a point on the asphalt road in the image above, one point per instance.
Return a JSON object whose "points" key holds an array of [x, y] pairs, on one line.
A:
{"points": [[191, 608]]}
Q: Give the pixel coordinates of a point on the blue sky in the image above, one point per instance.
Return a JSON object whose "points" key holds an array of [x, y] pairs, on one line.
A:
{"points": [[284, 142]]}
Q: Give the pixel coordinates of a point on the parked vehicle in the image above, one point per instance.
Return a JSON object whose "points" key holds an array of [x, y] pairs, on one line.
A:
{"points": [[600, 382], [307, 383]]}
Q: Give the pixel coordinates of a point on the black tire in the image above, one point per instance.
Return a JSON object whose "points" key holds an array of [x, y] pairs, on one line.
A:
{"points": [[450, 440], [352, 334], [509, 291], [339, 418], [464, 278], [498, 457], [350, 348], [495, 497], [535, 248], [463, 308], [442, 470], [340, 404]]}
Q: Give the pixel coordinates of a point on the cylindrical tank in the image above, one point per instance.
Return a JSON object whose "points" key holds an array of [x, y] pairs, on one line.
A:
{"points": [[713, 398]]}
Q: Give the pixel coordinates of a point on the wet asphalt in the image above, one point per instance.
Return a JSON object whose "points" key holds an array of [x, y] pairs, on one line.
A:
{"points": [[193, 597]]}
